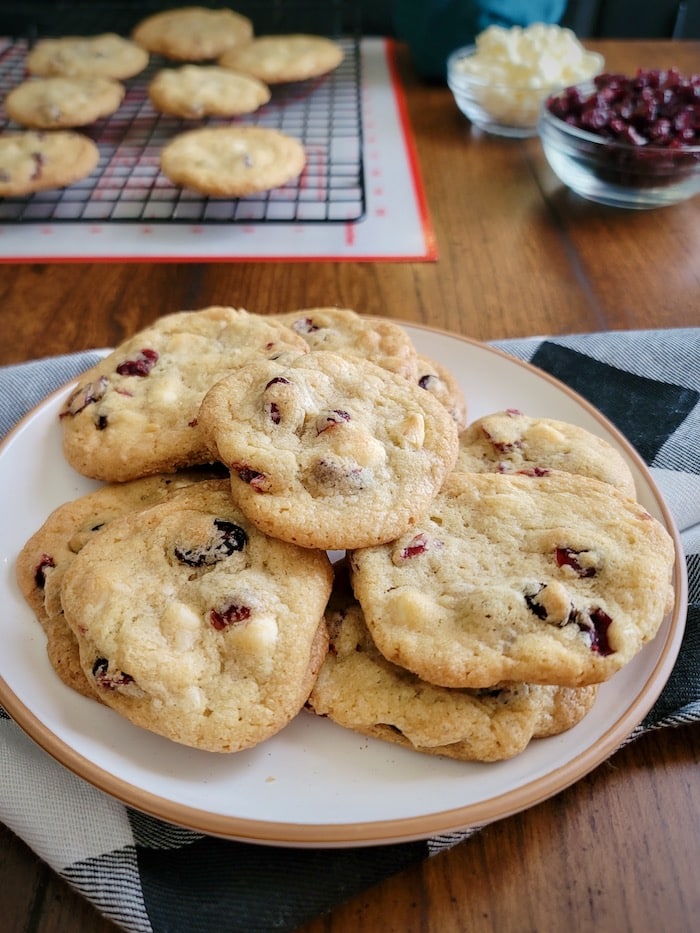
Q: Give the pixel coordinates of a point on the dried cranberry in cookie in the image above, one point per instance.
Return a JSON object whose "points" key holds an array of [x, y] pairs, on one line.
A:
{"points": [[555, 579], [442, 383], [329, 451], [135, 412], [196, 626], [226, 539]]}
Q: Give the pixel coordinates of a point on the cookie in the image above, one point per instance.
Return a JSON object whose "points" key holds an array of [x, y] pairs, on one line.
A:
{"points": [[511, 442], [44, 558], [328, 451], [278, 59], [384, 342], [56, 103], [194, 625], [360, 690], [64, 657], [135, 412], [441, 382], [344, 331], [195, 91], [232, 161], [193, 33], [107, 55], [555, 579], [35, 161]]}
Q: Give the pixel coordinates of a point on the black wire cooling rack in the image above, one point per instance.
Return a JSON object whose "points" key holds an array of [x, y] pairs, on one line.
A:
{"points": [[325, 115]]}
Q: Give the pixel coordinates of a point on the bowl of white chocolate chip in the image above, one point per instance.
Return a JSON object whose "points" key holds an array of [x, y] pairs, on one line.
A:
{"points": [[500, 82]]}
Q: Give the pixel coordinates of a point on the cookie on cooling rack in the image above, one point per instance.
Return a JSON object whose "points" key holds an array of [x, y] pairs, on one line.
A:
{"points": [[192, 33], [360, 690], [194, 91], [232, 161], [344, 331], [555, 579], [59, 102], [512, 442], [194, 625], [107, 55], [44, 558], [329, 451], [35, 161], [284, 58], [135, 412]]}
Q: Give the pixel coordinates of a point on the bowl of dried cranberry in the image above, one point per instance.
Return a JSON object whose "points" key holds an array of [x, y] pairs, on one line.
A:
{"points": [[624, 141]]}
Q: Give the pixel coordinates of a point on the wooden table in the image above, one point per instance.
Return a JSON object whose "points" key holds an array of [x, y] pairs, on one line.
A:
{"points": [[518, 256]]}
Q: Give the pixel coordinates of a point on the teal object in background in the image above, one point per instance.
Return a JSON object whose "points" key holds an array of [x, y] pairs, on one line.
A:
{"points": [[434, 28]]}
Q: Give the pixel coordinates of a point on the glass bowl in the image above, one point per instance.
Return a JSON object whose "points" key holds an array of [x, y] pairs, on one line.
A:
{"points": [[504, 108], [618, 173]]}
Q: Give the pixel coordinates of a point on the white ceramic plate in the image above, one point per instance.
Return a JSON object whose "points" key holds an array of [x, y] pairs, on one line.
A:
{"points": [[314, 784]]}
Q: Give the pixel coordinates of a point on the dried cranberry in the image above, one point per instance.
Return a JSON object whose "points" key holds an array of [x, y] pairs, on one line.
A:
{"points": [[45, 562], [304, 325], [657, 108], [226, 539], [39, 161], [417, 545], [568, 557], [595, 623], [140, 366], [503, 447], [229, 615], [329, 419], [100, 671], [84, 396], [252, 477], [534, 606], [329, 474], [272, 407]]}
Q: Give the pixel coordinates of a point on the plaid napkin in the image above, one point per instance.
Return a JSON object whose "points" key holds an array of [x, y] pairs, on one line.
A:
{"points": [[147, 875]]}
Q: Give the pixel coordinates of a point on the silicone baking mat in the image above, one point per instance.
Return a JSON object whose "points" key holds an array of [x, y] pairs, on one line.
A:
{"points": [[359, 197]]}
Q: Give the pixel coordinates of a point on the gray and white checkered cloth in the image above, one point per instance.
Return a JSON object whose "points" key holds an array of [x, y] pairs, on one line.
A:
{"points": [[151, 877]]}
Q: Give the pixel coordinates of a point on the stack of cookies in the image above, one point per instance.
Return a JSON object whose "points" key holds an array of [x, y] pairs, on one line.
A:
{"points": [[224, 71], [296, 514]]}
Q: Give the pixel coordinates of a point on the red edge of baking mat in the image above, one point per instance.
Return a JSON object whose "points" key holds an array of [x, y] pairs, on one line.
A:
{"points": [[396, 226]]}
